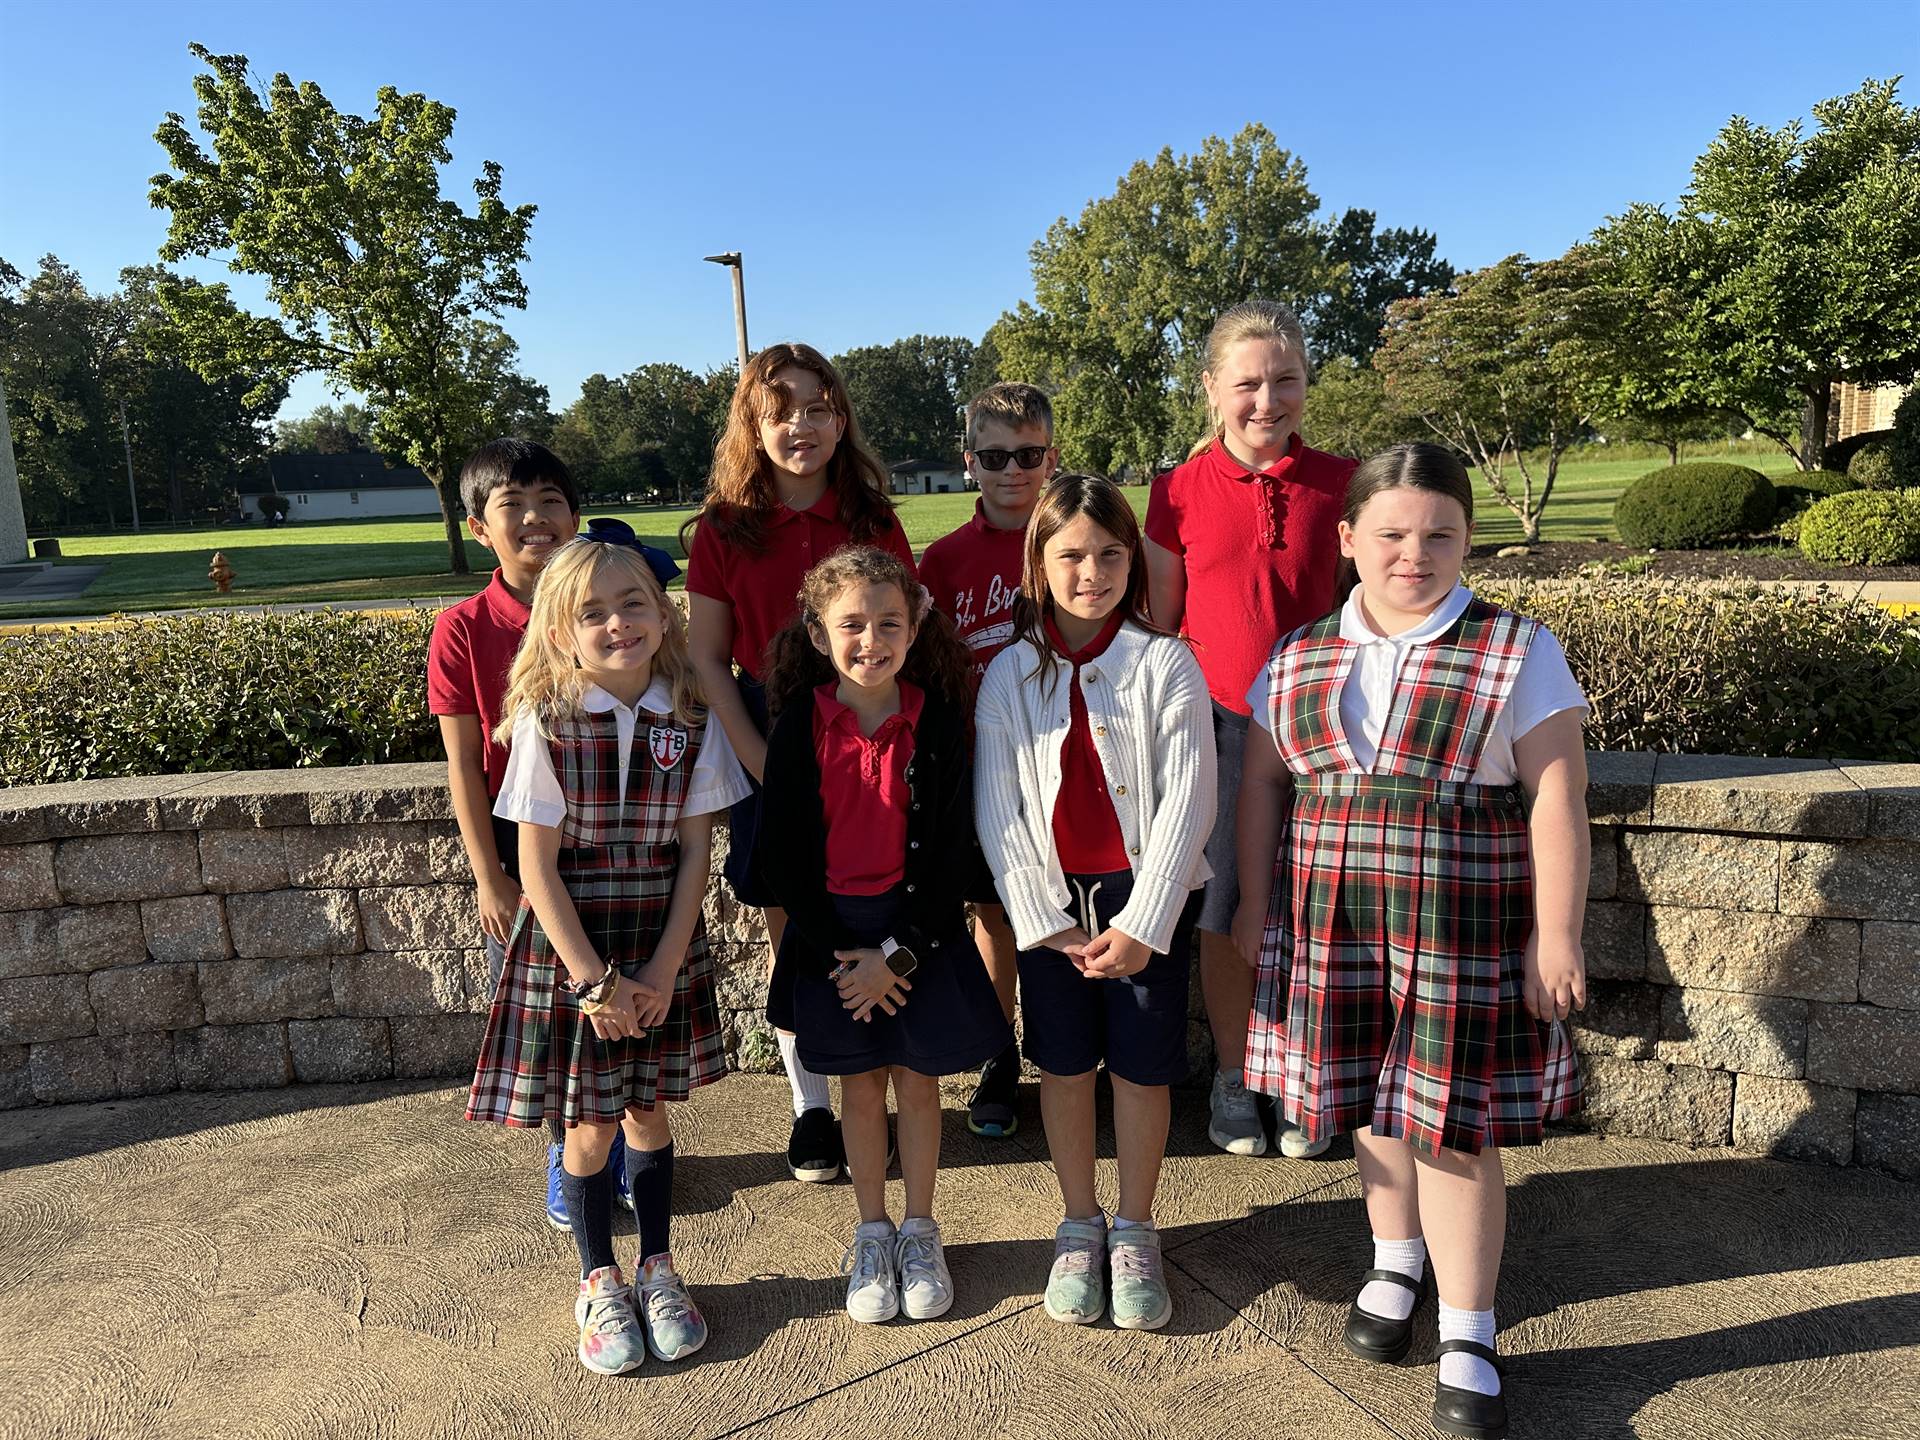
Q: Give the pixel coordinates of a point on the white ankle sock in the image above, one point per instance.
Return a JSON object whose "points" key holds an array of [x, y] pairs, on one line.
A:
{"points": [[1404, 1257], [1468, 1372], [809, 1089]]}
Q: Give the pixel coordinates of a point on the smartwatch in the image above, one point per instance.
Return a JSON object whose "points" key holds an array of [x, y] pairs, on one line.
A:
{"points": [[900, 960]]}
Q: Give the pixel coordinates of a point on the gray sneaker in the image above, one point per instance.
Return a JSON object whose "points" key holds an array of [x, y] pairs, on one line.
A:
{"points": [[1140, 1298], [1295, 1145], [926, 1289], [1233, 1118], [1077, 1284], [873, 1289]]}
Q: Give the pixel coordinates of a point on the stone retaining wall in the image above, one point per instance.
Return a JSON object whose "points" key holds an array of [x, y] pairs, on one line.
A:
{"points": [[1753, 938]]}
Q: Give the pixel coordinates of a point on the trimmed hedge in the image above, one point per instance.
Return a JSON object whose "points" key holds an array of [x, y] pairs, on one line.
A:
{"points": [[1683, 507], [1798, 493], [1712, 668], [1863, 527], [216, 691], [1903, 446], [1872, 466]]}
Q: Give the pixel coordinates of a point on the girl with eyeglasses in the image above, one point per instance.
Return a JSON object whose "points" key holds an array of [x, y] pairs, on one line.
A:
{"points": [[792, 482]]}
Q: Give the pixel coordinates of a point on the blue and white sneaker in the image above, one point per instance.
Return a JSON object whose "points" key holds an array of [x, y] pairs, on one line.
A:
{"points": [[611, 1339], [557, 1198]]}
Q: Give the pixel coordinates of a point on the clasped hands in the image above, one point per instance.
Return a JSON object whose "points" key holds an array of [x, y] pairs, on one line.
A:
{"points": [[1110, 955], [865, 980], [638, 1003]]}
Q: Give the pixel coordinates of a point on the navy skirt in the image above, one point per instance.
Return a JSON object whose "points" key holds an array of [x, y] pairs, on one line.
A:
{"points": [[951, 1020]]}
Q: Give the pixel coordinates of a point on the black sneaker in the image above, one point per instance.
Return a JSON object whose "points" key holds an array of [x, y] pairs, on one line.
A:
{"points": [[990, 1112], [814, 1152]]}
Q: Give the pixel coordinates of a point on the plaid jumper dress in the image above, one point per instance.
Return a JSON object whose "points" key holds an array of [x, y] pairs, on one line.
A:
{"points": [[1389, 989], [617, 860]]}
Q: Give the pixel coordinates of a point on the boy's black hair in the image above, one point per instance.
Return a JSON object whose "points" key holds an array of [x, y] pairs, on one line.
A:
{"points": [[513, 461]]}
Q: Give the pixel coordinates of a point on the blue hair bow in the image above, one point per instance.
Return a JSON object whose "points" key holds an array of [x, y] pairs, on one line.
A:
{"points": [[609, 531]]}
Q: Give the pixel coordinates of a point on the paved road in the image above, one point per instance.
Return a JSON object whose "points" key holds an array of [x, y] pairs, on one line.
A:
{"points": [[350, 1262]]}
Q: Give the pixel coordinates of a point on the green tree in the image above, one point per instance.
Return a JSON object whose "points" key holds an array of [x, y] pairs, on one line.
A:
{"points": [[1792, 263], [1373, 268], [381, 284], [909, 394], [651, 431], [1124, 296], [328, 430], [65, 435], [1348, 412], [1493, 370]]}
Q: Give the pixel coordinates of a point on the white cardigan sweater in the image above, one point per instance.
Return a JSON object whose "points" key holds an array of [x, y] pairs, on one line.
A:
{"points": [[1152, 725]]}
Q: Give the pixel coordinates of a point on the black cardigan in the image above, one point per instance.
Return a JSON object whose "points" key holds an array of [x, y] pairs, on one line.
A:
{"points": [[792, 849]]}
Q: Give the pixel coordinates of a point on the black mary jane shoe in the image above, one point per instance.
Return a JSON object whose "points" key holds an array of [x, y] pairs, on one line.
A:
{"points": [[1468, 1412], [1375, 1337]]}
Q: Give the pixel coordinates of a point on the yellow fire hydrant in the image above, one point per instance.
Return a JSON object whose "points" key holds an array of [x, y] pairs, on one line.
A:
{"points": [[221, 573]]}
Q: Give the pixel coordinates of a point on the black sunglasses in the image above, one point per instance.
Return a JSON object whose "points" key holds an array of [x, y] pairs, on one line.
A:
{"points": [[1029, 457]]}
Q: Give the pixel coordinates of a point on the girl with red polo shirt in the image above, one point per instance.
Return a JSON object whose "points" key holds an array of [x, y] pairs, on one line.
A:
{"points": [[792, 482], [1094, 798], [868, 844], [1241, 549]]}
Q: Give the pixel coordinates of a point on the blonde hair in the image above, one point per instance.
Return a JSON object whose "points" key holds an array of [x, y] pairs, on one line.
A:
{"points": [[546, 679], [1014, 404], [1249, 320]]}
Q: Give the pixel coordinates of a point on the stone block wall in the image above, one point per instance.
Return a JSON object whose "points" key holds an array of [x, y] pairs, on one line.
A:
{"points": [[1752, 938]]}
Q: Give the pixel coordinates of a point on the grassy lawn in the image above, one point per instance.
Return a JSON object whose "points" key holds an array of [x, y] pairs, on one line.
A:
{"points": [[406, 558]]}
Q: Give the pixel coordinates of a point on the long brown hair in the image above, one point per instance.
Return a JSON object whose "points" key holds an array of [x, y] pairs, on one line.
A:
{"points": [[938, 661], [1417, 465], [740, 489], [1068, 495], [1249, 320]]}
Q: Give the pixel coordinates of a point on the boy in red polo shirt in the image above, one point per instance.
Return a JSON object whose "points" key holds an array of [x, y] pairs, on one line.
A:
{"points": [[973, 576], [521, 504], [1242, 545]]}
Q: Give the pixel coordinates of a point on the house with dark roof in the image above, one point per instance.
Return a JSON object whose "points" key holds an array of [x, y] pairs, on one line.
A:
{"points": [[356, 485], [926, 477]]}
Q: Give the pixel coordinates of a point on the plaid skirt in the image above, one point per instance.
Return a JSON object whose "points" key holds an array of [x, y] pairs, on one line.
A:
{"points": [[541, 1057], [1389, 991]]}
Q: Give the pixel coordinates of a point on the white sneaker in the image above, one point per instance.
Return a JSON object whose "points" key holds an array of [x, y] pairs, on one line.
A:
{"points": [[1295, 1145], [926, 1287], [1233, 1120], [873, 1287]]}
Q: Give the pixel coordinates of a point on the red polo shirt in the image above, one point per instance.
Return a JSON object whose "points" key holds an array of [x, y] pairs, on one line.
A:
{"points": [[764, 589], [1260, 549], [974, 578], [468, 658], [863, 791], [1086, 831]]}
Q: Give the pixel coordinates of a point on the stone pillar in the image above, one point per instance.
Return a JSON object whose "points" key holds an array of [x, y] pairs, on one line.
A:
{"points": [[13, 520]]}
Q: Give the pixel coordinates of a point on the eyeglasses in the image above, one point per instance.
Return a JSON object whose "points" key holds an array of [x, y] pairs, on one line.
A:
{"points": [[1029, 457], [816, 416]]}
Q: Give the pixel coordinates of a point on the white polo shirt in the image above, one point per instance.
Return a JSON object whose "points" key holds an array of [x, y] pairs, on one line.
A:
{"points": [[531, 791], [1544, 687]]}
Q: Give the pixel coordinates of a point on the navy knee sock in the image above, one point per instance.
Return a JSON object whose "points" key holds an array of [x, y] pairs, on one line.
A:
{"points": [[590, 1205], [650, 1182]]}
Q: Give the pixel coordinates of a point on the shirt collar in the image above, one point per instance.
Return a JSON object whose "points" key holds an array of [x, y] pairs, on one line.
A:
{"points": [[658, 699], [502, 601], [827, 703], [1354, 627], [1228, 467], [1096, 646], [825, 508]]}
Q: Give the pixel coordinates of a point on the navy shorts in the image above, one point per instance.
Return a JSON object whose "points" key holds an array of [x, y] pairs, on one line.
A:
{"points": [[1220, 896], [1138, 1024], [743, 820]]}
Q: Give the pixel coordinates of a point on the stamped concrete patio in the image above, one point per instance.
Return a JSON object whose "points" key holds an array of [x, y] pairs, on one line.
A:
{"points": [[358, 1262]]}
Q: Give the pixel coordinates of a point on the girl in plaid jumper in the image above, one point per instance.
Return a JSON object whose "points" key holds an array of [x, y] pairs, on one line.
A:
{"points": [[605, 1009], [1413, 863]]}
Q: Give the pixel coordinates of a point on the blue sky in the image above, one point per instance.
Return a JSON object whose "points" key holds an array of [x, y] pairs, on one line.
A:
{"points": [[885, 168]]}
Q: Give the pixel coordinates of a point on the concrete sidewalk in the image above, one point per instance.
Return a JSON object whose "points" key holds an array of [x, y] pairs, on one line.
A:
{"points": [[358, 1261]]}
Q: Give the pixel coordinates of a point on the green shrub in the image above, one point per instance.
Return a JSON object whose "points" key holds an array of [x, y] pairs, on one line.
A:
{"points": [[1803, 489], [1904, 445], [1685, 506], [1872, 466], [1733, 669], [1863, 527], [216, 691]]}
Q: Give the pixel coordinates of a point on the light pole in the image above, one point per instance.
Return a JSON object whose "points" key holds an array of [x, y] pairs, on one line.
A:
{"points": [[732, 261]]}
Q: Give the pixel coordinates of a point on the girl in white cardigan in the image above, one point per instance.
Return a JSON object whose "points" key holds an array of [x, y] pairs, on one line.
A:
{"points": [[1093, 797]]}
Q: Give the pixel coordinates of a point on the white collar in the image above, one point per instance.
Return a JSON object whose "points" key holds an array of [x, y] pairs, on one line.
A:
{"points": [[658, 699], [1354, 627]]}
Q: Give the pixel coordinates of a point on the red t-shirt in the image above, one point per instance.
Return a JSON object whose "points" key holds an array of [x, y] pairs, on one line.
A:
{"points": [[467, 662], [1086, 831], [1260, 550], [973, 576], [863, 791], [764, 589]]}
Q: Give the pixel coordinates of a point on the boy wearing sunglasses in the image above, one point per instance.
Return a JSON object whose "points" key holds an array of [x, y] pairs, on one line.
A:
{"points": [[974, 576]]}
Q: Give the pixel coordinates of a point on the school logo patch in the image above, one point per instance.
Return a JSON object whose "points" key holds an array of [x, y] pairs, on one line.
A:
{"points": [[668, 744]]}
